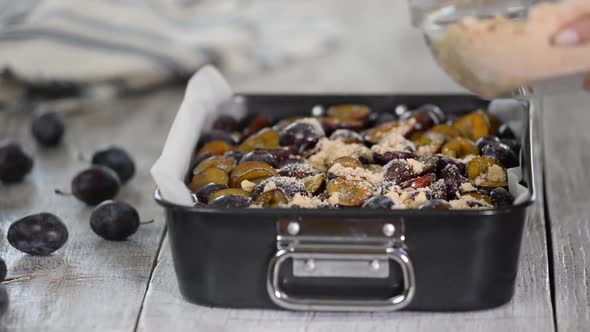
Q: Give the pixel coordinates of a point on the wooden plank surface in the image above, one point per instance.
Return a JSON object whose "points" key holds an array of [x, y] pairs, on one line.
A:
{"points": [[90, 284], [567, 160], [379, 52]]}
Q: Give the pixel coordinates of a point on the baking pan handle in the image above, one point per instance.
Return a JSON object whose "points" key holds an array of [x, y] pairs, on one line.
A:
{"points": [[286, 301]]}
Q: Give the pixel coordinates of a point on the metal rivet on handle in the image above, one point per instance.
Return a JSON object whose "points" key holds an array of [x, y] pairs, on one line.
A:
{"points": [[310, 265], [375, 265], [293, 228], [388, 230]]}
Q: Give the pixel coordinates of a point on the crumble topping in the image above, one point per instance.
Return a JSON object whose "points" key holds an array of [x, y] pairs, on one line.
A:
{"points": [[358, 173], [467, 158], [305, 202], [468, 187], [334, 199], [495, 173], [393, 141], [416, 166], [427, 150], [269, 186], [467, 203], [328, 150], [248, 185]]}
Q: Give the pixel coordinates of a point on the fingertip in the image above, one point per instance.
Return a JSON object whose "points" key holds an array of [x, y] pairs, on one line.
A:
{"points": [[574, 34], [567, 37]]}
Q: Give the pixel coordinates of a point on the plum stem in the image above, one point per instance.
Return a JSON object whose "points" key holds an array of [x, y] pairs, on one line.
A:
{"points": [[146, 222], [303, 147], [61, 192], [24, 277]]}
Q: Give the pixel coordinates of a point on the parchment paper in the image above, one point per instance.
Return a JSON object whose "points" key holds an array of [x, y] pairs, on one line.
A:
{"points": [[512, 112], [207, 93]]}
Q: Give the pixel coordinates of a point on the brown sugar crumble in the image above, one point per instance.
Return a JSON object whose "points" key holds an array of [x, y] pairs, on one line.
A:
{"points": [[328, 150], [306, 202], [358, 173], [495, 174], [417, 166]]}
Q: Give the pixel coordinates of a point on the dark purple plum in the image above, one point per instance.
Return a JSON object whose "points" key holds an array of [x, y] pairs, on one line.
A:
{"points": [[347, 136], [15, 164], [114, 221], [380, 202], [254, 123], [298, 171], [300, 134], [236, 154], [485, 190], [512, 143], [226, 123], [384, 158], [364, 160], [486, 140], [331, 124], [435, 112], [435, 204], [204, 193], [216, 135], [95, 185], [48, 129], [420, 182], [290, 161], [444, 161], [3, 301], [38, 234], [453, 180], [376, 118], [439, 189], [502, 153], [230, 201], [261, 155], [429, 163], [426, 116], [3, 270], [116, 159], [283, 153], [397, 171], [501, 197], [504, 131]]}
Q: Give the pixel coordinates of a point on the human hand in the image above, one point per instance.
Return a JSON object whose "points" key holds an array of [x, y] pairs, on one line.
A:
{"points": [[575, 34]]}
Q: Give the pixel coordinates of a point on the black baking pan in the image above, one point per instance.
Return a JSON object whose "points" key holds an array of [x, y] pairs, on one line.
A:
{"points": [[351, 259]]}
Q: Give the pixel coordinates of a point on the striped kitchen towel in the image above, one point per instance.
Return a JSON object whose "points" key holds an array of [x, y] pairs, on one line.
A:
{"points": [[68, 47]]}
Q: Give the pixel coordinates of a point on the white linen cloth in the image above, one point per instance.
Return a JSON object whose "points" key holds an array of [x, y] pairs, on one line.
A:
{"points": [[130, 45]]}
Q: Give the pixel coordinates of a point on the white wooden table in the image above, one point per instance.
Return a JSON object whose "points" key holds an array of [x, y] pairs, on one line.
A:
{"points": [[94, 285]]}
